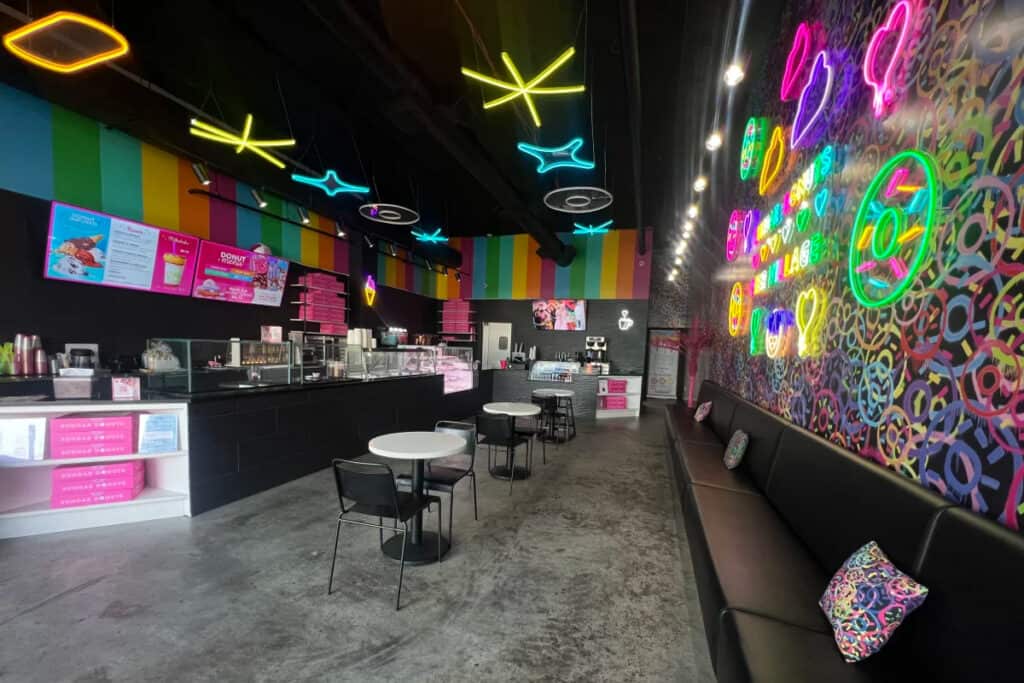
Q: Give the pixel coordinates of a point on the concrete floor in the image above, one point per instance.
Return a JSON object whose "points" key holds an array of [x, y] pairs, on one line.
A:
{"points": [[582, 574]]}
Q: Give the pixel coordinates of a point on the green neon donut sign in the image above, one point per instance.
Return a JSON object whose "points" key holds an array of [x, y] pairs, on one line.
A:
{"points": [[888, 245], [755, 137]]}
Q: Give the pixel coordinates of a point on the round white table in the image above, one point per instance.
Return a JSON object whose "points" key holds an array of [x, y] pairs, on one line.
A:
{"points": [[417, 447], [560, 393], [515, 410], [564, 397]]}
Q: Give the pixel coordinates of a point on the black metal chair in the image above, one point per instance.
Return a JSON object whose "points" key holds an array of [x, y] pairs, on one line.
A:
{"points": [[541, 429], [442, 475], [372, 490], [498, 431]]}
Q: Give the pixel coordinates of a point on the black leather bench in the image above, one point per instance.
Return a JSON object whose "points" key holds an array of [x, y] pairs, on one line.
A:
{"points": [[766, 538]]}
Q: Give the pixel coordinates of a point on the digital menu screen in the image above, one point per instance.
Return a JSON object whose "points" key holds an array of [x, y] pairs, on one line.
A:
{"points": [[98, 249], [560, 314], [239, 276]]}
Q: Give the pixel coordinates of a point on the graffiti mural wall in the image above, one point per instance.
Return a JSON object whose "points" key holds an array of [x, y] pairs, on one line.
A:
{"points": [[880, 295]]}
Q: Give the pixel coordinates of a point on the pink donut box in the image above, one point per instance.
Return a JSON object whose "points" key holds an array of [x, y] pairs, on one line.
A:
{"points": [[84, 436]]}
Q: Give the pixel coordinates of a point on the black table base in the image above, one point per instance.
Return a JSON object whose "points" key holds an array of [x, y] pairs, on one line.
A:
{"points": [[502, 472], [421, 553]]}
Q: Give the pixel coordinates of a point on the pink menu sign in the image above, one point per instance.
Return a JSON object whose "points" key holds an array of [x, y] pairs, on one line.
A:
{"points": [[95, 248], [239, 276]]}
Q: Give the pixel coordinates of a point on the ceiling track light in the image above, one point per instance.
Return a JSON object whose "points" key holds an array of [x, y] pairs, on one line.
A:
{"points": [[258, 198], [199, 168], [430, 267], [391, 249], [368, 241], [693, 211], [713, 142], [444, 271], [339, 230], [679, 260], [303, 214], [458, 276], [733, 75], [700, 184]]}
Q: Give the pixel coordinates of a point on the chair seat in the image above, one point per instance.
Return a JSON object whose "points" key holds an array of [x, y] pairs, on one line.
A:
{"points": [[438, 476], [504, 443], [408, 505]]}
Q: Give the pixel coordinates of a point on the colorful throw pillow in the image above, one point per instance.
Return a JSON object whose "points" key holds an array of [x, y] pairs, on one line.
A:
{"points": [[736, 448], [703, 410], [867, 600]]}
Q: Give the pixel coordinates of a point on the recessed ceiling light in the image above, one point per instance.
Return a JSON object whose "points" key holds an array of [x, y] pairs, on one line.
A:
{"points": [[692, 211], [680, 248], [700, 184], [687, 225], [679, 261], [733, 75], [714, 141]]}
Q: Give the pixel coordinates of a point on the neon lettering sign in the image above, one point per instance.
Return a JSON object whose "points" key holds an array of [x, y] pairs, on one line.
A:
{"points": [[755, 137], [242, 142], [813, 99], [551, 158], [773, 159], [526, 89], [882, 77], [890, 241], [810, 319], [331, 184]]}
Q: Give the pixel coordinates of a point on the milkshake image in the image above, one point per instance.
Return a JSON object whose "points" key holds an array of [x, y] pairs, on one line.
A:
{"points": [[174, 268]]}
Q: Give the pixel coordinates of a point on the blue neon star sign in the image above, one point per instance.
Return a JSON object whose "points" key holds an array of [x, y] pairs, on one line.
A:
{"points": [[331, 184], [591, 229], [434, 237], [557, 157]]}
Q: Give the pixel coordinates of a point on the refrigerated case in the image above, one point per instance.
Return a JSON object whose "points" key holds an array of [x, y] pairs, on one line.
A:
{"points": [[455, 363], [194, 366]]}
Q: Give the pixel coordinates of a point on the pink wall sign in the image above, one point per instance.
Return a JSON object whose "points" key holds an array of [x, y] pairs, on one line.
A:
{"points": [[95, 248], [238, 276]]}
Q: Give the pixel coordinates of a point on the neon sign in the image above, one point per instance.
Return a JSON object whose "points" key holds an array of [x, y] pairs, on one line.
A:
{"points": [[591, 229], [557, 157], [39, 30], [778, 336], [882, 77], [431, 238], [757, 331], [796, 61], [243, 142], [810, 318], [892, 235], [808, 110], [526, 89], [739, 310], [755, 137], [734, 237], [370, 291], [773, 159], [331, 184]]}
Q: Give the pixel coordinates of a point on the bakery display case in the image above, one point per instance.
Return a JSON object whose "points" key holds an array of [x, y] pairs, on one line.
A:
{"points": [[319, 357], [455, 363], [192, 366]]}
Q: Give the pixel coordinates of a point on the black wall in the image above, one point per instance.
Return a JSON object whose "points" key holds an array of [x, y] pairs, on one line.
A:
{"points": [[398, 308], [625, 349], [119, 320]]}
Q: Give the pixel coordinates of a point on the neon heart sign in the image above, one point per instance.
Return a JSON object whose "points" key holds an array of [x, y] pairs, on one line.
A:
{"points": [[813, 99], [810, 317], [796, 63], [881, 76]]}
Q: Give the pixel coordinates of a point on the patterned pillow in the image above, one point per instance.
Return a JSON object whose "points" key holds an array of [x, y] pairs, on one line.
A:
{"points": [[736, 448], [703, 410], [867, 600]]}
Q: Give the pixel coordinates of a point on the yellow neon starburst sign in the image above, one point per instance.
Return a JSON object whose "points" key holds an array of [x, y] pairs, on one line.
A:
{"points": [[243, 142], [525, 89]]}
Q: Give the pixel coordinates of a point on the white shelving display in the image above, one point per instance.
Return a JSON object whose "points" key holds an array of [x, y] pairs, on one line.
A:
{"points": [[618, 396], [25, 485]]}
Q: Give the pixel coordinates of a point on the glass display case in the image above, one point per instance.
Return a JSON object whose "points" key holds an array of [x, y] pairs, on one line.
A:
{"points": [[554, 371], [456, 364], [201, 365], [319, 357]]}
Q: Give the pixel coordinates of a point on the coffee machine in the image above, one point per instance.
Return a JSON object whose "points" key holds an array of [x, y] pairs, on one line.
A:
{"points": [[596, 356]]}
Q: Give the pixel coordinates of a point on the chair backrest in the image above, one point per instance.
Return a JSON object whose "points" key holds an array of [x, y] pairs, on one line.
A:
{"points": [[366, 483], [466, 430], [495, 426]]}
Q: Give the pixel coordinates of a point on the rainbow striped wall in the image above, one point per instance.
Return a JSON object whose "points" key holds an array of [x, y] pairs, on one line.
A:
{"points": [[507, 267], [52, 153]]}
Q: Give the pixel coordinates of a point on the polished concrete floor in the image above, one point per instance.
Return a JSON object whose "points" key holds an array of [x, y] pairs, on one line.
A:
{"points": [[582, 574]]}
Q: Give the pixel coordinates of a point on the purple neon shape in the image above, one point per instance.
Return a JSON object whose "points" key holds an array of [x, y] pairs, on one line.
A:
{"points": [[802, 125]]}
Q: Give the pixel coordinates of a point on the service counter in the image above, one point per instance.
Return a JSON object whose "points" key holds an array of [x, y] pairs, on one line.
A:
{"points": [[516, 385]]}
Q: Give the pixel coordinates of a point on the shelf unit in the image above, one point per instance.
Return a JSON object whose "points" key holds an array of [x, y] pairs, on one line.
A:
{"points": [[25, 484], [624, 390], [456, 322], [332, 292]]}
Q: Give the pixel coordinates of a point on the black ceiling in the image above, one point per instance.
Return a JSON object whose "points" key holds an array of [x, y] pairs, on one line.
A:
{"points": [[372, 88]]}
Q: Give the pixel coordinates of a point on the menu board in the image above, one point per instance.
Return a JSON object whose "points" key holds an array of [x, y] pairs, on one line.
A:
{"points": [[94, 248], [239, 276]]}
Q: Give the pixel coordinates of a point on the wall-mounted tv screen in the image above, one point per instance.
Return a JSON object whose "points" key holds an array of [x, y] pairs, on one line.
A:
{"points": [[560, 314], [239, 276], [97, 249]]}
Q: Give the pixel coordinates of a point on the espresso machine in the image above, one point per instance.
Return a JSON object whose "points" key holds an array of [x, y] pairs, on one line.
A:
{"points": [[595, 356]]}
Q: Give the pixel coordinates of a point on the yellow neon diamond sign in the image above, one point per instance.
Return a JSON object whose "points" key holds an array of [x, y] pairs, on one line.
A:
{"points": [[208, 132], [525, 89]]}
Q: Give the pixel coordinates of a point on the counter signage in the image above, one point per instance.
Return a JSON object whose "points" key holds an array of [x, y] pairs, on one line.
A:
{"points": [[95, 248], [238, 276]]}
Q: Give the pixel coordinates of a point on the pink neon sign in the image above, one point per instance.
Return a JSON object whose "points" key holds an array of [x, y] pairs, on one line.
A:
{"points": [[882, 80], [796, 62], [734, 238]]}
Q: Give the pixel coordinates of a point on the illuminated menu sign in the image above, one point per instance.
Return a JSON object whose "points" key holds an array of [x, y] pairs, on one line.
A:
{"points": [[98, 249], [239, 276]]}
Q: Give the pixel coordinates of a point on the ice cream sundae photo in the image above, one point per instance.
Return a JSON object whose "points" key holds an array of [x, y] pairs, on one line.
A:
{"points": [[78, 254]]}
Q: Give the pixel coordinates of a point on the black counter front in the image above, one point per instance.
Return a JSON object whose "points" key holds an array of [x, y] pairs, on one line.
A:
{"points": [[516, 385], [249, 441]]}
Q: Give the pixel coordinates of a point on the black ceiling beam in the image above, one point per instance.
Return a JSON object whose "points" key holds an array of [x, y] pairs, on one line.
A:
{"points": [[631, 68], [410, 101]]}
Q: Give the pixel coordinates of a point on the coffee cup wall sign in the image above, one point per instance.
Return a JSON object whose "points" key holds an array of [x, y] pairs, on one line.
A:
{"points": [[578, 199], [392, 214]]}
